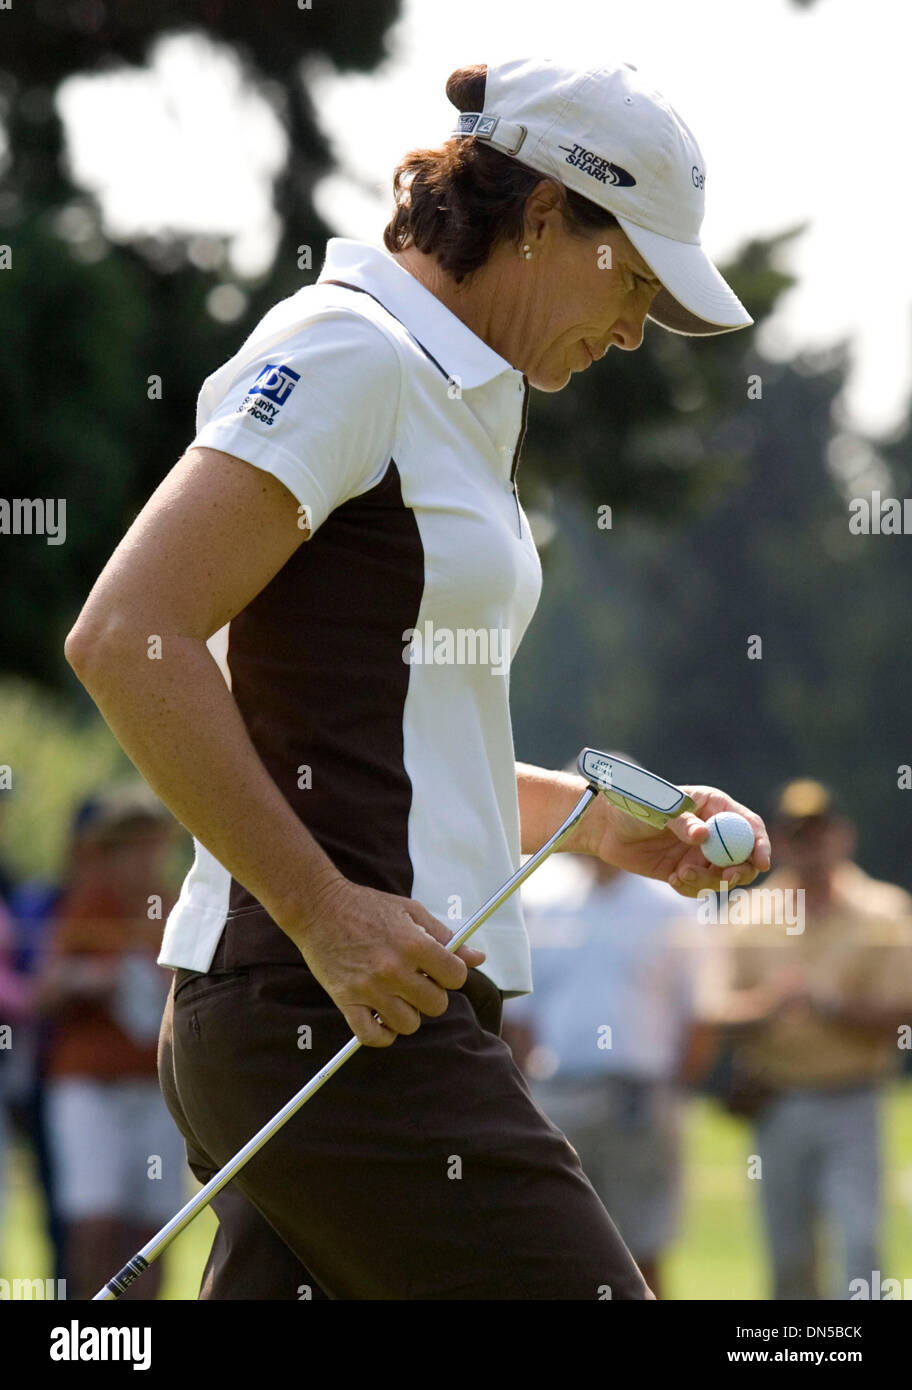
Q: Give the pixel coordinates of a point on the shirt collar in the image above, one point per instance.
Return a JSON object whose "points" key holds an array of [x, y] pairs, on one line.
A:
{"points": [[465, 356]]}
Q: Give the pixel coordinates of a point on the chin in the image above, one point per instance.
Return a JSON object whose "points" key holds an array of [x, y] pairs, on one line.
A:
{"points": [[551, 381]]}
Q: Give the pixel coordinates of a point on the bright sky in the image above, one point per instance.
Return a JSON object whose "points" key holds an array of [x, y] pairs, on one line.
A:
{"points": [[801, 117]]}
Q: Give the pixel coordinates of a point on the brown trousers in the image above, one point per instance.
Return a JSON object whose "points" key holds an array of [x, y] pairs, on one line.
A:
{"points": [[420, 1171]]}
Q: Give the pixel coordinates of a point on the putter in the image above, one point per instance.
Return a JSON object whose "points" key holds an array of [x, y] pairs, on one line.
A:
{"points": [[632, 788], [625, 785]]}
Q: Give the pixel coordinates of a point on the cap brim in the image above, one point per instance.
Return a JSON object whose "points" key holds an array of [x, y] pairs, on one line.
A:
{"points": [[695, 299]]}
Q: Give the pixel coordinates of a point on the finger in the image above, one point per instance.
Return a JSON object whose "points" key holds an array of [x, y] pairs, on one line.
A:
{"points": [[423, 994], [689, 828], [431, 924], [471, 955], [447, 968], [761, 856], [690, 879], [368, 1027], [740, 875], [398, 1015], [692, 868]]}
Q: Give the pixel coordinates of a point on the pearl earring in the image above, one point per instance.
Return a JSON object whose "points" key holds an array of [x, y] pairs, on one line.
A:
{"points": [[527, 251]]}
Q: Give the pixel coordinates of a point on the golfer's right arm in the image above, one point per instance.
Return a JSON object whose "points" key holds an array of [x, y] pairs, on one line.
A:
{"points": [[207, 542]]}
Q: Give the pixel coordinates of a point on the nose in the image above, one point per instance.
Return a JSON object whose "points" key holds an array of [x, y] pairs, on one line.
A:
{"points": [[627, 332]]}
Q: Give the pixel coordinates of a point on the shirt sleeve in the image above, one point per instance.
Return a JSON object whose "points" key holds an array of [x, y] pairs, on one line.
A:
{"points": [[318, 410]]}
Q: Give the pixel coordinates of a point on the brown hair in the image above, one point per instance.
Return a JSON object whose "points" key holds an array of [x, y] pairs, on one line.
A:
{"points": [[458, 201]]}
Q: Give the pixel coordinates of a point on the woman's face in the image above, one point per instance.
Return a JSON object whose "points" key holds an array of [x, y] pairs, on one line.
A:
{"points": [[559, 310], [579, 297]]}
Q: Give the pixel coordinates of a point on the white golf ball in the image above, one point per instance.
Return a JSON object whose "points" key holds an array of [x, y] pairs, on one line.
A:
{"points": [[730, 839]]}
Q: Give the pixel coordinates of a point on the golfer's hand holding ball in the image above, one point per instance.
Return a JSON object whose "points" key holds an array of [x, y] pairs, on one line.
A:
{"points": [[728, 837], [378, 954], [681, 854]]}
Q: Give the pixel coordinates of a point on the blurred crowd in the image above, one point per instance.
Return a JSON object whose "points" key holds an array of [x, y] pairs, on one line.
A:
{"points": [[82, 997], [790, 1003]]}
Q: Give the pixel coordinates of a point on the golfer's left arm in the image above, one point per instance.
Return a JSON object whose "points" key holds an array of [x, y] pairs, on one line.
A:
{"points": [[545, 799]]}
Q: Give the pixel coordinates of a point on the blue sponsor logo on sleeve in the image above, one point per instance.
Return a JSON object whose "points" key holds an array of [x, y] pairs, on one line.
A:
{"points": [[276, 383], [269, 392]]}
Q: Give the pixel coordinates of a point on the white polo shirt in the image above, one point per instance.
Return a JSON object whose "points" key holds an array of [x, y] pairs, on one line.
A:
{"points": [[372, 673]]}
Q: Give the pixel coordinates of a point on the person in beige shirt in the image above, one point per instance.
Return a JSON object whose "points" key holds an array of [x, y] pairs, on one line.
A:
{"points": [[819, 986]]}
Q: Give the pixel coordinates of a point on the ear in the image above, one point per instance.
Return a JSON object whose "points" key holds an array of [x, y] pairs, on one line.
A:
{"points": [[543, 207]]}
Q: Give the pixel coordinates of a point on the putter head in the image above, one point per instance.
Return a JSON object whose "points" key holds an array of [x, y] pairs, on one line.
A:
{"points": [[633, 789]]}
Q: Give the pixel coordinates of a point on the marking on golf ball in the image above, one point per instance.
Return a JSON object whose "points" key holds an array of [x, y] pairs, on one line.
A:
{"points": [[730, 839]]}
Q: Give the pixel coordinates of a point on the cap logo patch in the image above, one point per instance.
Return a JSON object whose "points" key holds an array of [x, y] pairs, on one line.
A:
{"points": [[471, 123], [599, 168]]}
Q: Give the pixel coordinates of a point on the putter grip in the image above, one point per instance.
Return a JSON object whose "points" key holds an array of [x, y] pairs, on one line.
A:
{"points": [[122, 1280]]}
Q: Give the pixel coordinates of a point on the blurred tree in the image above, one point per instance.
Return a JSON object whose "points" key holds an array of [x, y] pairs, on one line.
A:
{"points": [[86, 323]]}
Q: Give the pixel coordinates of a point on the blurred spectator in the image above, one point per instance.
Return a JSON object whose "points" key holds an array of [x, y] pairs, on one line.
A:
{"points": [[611, 1034], [819, 1010], [33, 904], [14, 1008], [13, 1002], [118, 1158]]}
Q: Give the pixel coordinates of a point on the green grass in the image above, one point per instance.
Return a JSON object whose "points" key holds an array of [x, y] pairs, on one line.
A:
{"points": [[25, 1253], [719, 1254]]}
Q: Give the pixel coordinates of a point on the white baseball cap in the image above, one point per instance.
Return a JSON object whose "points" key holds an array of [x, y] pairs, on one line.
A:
{"points": [[606, 134]]}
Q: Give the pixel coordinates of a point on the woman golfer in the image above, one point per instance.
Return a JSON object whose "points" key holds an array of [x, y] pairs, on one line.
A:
{"points": [[303, 644]]}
